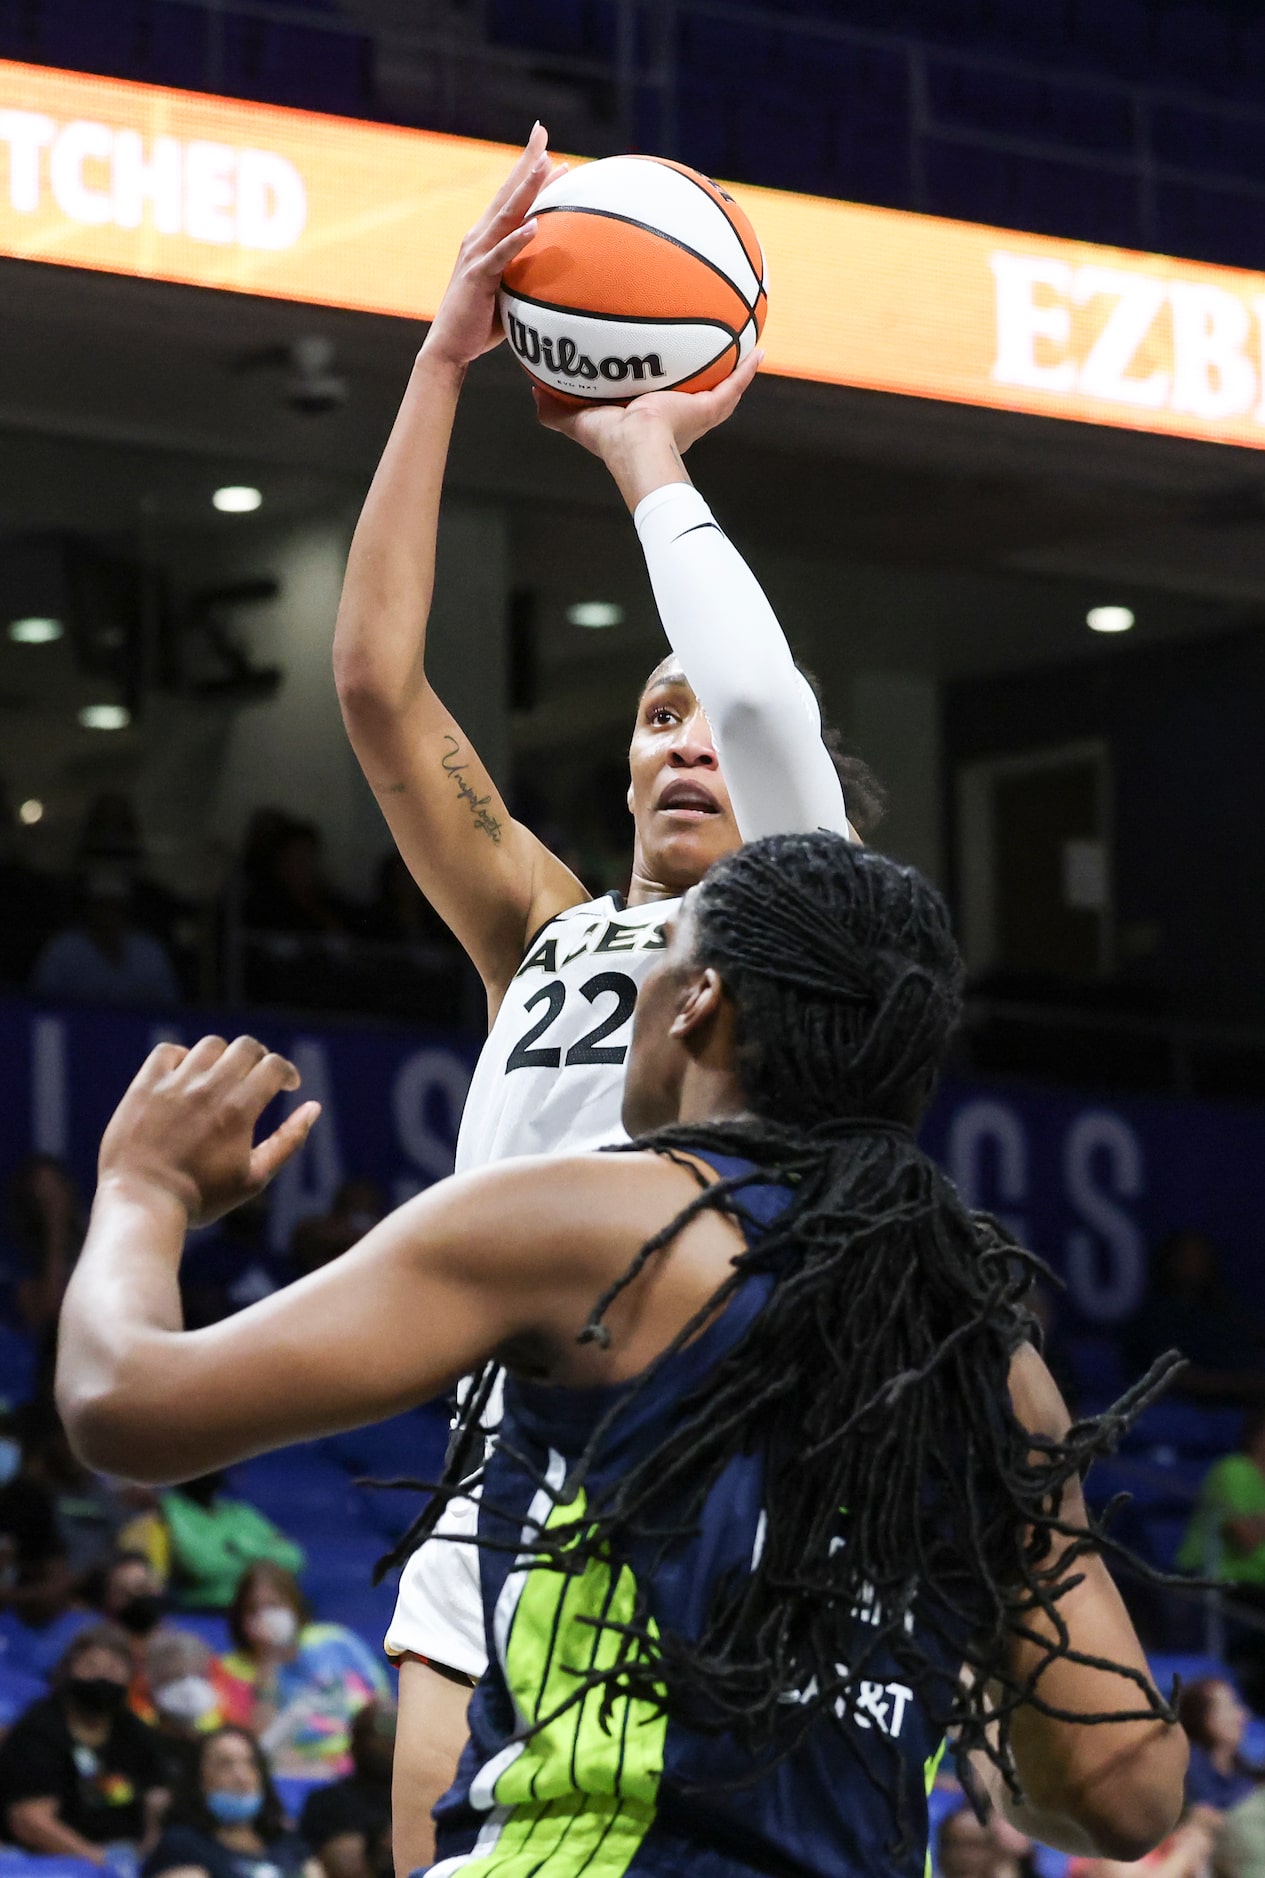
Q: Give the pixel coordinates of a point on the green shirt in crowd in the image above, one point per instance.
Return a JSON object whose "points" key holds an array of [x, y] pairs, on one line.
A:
{"points": [[211, 1546], [1233, 1489]]}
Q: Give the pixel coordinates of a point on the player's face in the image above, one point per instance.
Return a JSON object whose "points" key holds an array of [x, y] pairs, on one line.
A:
{"points": [[681, 808], [657, 1056]]}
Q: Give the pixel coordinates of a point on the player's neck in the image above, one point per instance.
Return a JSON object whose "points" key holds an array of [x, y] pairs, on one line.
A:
{"points": [[642, 891]]}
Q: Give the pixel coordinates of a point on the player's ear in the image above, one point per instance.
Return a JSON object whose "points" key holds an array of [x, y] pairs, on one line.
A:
{"points": [[629, 799], [700, 1004]]}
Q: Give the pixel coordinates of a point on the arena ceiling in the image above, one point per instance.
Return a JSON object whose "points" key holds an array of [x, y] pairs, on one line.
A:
{"points": [[959, 540]]}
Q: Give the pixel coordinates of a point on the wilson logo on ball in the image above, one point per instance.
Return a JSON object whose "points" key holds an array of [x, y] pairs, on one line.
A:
{"points": [[564, 357]]}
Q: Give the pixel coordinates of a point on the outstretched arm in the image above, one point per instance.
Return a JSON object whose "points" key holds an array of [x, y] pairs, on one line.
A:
{"points": [[510, 1256], [1111, 1788], [405, 1313], [487, 876], [779, 774]]}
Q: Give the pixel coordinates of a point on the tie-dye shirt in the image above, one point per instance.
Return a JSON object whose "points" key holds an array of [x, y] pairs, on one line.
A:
{"points": [[332, 1675]]}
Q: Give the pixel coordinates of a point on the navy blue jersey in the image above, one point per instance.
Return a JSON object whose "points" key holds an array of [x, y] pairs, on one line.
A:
{"points": [[637, 1792]]}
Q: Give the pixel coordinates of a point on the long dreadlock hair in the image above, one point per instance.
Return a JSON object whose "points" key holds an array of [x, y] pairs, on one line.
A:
{"points": [[873, 1381]]}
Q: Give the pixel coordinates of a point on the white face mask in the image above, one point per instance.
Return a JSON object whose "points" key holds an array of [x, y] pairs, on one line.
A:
{"points": [[187, 1699], [275, 1624]]}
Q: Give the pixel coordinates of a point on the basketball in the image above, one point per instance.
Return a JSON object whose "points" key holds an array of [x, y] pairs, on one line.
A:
{"points": [[643, 275]]}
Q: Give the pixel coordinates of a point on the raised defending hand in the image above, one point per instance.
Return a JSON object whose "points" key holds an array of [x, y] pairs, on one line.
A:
{"points": [[187, 1125], [467, 323], [679, 416]]}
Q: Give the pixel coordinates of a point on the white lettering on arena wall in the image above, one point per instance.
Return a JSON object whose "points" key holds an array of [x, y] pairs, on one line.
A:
{"points": [[1216, 342], [102, 177], [989, 1154]]}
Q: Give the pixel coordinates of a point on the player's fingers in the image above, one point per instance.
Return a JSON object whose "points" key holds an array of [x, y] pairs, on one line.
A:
{"points": [[526, 166], [494, 263], [268, 1077], [552, 412], [271, 1155], [162, 1059], [240, 1058], [205, 1053]]}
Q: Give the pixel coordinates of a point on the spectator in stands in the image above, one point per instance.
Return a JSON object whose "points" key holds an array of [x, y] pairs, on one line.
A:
{"points": [[35, 1578], [89, 1510], [400, 913], [294, 1683], [102, 956], [285, 889], [213, 1539], [1226, 1540], [967, 1849], [1215, 1720], [46, 1228], [227, 1821], [357, 1208], [78, 1771], [31, 902], [128, 1592], [111, 837], [179, 1669], [1188, 1308], [345, 1823], [1239, 1850]]}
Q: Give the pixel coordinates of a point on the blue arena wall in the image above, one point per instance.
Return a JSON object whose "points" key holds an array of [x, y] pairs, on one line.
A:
{"points": [[1092, 1182]]}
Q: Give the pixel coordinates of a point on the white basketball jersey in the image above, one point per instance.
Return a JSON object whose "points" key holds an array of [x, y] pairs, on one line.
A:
{"points": [[550, 1078]]}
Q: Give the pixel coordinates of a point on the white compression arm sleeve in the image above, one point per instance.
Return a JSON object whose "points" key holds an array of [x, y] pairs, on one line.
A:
{"points": [[780, 776]]}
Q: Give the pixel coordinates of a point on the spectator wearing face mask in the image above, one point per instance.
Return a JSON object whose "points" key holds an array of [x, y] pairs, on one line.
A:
{"points": [[226, 1821], [178, 1671], [345, 1822], [127, 1590], [293, 1683], [78, 1771], [214, 1538]]}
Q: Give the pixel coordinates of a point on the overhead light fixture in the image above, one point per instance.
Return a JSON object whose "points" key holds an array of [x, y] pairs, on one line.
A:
{"points": [[35, 630], [595, 613], [105, 716], [31, 811], [1109, 619], [237, 499]]}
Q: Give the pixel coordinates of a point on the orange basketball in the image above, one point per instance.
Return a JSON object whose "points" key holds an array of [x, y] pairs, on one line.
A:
{"points": [[642, 276]]}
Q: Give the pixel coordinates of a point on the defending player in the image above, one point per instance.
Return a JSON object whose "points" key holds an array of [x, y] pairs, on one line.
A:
{"points": [[773, 1308], [561, 970]]}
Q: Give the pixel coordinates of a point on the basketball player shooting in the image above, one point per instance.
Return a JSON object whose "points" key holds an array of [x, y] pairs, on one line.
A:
{"points": [[727, 746], [771, 1307]]}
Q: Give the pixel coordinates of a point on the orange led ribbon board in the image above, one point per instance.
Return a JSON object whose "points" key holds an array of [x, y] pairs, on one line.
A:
{"points": [[215, 192]]}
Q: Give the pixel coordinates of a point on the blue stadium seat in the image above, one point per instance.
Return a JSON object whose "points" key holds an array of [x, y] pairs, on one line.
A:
{"points": [[18, 1690], [1187, 1426], [18, 1363], [408, 1447], [299, 1487], [18, 1864], [1162, 1535], [38, 1652], [211, 1626]]}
